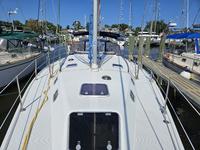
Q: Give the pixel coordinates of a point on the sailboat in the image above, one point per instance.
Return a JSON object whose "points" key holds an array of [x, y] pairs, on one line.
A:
{"points": [[187, 64], [18, 51], [92, 102]]}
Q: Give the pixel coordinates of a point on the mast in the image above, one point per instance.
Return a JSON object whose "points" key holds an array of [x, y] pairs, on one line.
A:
{"points": [[121, 12], [58, 18], [130, 14], [94, 42], [187, 5]]}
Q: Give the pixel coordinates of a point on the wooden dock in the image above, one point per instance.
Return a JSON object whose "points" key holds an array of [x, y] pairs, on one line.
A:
{"points": [[189, 88]]}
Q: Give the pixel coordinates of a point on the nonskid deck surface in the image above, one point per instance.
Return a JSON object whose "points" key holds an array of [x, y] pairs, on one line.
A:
{"points": [[44, 124]]}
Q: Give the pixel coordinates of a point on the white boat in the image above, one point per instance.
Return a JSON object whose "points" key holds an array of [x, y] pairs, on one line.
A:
{"points": [[97, 106], [155, 39], [15, 56], [187, 64]]}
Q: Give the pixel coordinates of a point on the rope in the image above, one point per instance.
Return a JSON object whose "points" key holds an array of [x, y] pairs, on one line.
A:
{"points": [[27, 137]]}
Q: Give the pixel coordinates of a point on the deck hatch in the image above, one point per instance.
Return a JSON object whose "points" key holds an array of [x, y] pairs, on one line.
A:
{"points": [[94, 131], [94, 89]]}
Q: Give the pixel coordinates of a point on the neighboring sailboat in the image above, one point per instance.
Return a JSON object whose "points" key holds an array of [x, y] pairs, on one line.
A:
{"points": [[186, 64], [92, 106], [18, 51]]}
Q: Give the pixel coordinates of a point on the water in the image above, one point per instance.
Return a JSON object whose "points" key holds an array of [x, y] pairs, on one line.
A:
{"points": [[188, 117]]}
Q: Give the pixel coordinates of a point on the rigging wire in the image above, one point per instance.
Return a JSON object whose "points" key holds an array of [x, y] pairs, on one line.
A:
{"points": [[195, 18], [143, 16], [18, 4], [4, 10], [53, 8]]}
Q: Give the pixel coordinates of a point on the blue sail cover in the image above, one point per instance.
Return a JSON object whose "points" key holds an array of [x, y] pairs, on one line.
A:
{"points": [[197, 50], [90, 39], [187, 35]]}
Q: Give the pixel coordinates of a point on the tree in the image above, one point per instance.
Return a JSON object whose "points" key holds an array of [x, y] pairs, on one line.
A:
{"points": [[77, 25], [68, 27], [51, 27], [33, 25], [17, 23], [115, 26], [123, 27], [106, 26], [161, 26], [137, 30]]}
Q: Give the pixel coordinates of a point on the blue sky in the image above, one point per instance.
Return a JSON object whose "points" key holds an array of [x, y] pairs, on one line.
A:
{"points": [[71, 10]]}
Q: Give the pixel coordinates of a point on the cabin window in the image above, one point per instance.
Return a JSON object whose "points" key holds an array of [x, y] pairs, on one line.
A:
{"points": [[132, 96], [196, 64], [117, 65], [70, 59], [94, 89], [71, 65], [91, 131], [55, 95], [106, 77], [183, 59]]}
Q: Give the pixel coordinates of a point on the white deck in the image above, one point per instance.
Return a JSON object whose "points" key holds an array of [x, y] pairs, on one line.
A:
{"points": [[146, 129]]}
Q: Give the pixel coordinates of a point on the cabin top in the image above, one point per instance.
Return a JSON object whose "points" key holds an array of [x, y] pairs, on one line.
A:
{"points": [[92, 109]]}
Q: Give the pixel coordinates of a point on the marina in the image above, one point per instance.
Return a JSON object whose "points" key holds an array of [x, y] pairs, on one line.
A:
{"points": [[100, 85]]}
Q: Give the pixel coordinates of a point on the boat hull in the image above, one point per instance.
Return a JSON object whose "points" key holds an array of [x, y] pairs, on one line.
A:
{"points": [[10, 71], [181, 70]]}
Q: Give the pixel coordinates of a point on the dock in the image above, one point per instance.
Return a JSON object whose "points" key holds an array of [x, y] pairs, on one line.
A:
{"points": [[186, 86]]}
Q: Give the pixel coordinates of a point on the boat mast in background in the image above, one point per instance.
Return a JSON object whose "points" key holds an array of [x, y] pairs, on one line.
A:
{"points": [[42, 22], [187, 14], [130, 14], [10, 13], [58, 18]]}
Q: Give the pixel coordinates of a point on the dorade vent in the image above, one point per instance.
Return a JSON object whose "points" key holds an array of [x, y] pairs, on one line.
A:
{"points": [[89, 131], [132, 96], [70, 59], [94, 89], [71, 65], [55, 95], [106, 77], [117, 65]]}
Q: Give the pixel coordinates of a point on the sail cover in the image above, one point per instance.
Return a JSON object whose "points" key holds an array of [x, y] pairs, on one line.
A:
{"points": [[187, 35]]}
